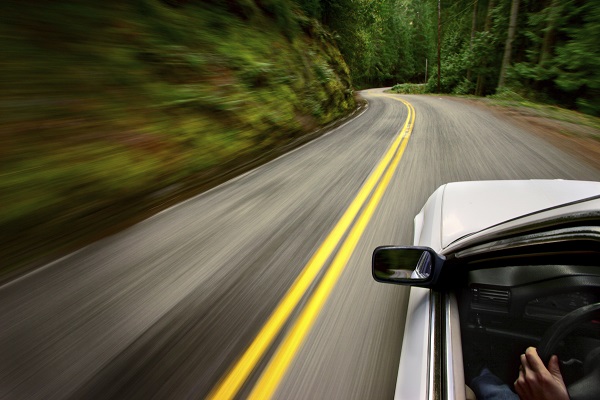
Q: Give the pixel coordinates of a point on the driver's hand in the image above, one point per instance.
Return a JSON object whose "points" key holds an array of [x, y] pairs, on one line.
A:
{"points": [[537, 382]]}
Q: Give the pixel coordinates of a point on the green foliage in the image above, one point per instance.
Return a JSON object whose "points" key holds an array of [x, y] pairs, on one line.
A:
{"points": [[464, 87], [409, 88], [577, 61], [383, 41], [283, 14], [311, 8], [508, 98], [470, 61], [507, 95], [105, 103], [567, 73], [555, 52]]}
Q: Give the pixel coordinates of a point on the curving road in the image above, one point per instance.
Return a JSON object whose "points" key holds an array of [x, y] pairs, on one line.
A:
{"points": [[167, 307]]}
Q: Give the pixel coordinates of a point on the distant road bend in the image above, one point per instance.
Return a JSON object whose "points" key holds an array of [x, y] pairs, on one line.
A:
{"points": [[261, 287]]}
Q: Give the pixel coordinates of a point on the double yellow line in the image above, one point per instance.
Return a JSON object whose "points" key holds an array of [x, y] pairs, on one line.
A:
{"points": [[268, 382]]}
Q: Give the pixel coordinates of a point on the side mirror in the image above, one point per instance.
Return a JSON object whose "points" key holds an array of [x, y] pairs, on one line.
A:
{"points": [[412, 266]]}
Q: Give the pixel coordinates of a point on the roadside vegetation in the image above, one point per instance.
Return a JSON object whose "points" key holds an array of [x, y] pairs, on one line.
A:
{"points": [[409, 88], [545, 51], [510, 99], [112, 108], [571, 130]]}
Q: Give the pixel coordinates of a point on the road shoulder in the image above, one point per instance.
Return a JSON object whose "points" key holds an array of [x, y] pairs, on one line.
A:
{"points": [[580, 141]]}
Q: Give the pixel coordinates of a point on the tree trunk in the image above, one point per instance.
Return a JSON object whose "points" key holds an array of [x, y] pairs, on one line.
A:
{"points": [[473, 23], [473, 29], [488, 19], [545, 52], [512, 27], [488, 23], [439, 59]]}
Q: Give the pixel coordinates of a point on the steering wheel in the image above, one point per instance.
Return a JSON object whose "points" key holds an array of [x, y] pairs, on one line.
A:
{"points": [[587, 387]]}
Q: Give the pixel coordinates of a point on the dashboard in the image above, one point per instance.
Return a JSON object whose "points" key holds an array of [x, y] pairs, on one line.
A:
{"points": [[505, 309], [556, 306], [539, 291], [526, 299]]}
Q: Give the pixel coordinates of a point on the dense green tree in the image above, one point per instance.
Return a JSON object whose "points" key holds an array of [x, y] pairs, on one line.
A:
{"points": [[551, 45], [577, 60], [383, 41], [512, 27], [562, 55]]}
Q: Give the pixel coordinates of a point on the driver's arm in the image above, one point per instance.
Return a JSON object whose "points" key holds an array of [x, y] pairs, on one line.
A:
{"points": [[535, 381]]}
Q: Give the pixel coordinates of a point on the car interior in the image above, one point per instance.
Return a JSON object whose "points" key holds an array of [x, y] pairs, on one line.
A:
{"points": [[546, 295]]}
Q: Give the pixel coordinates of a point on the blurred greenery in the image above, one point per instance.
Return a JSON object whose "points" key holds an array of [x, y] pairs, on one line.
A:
{"points": [[105, 104], [409, 88], [508, 98]]}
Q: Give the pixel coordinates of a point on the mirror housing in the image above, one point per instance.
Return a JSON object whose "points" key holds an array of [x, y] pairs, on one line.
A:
{"points": [[410, 266]]}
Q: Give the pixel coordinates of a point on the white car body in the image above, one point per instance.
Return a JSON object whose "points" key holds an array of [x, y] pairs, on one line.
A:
{"points": [[457, 214]]}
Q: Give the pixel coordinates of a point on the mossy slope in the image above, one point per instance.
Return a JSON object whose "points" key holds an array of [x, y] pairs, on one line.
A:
{"points": [[107, 103]]}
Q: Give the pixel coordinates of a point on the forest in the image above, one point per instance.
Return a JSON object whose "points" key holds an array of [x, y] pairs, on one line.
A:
{"points": [[552, 56]]}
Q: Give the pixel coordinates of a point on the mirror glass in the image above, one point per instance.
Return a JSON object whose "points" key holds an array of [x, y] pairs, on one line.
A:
{"points": [[401, 263]]}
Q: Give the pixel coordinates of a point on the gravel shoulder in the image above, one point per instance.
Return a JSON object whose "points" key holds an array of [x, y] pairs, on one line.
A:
{"points": [[578, 140]]}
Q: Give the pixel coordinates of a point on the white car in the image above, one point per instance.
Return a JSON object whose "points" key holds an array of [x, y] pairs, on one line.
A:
{"points": [[496, 267]]}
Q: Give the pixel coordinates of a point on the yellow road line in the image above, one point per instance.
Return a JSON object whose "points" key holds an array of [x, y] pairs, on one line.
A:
{"points": [[277, 367], [231, 383]]}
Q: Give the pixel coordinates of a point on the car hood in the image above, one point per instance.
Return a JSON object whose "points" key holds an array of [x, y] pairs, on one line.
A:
{"points": [[469, 207]]}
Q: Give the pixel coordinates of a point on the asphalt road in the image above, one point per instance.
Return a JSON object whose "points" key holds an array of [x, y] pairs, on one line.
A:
{"points": [[165, 308]]}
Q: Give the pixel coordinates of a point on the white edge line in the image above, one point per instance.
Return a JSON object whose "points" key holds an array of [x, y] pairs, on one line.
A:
{"points": [[51, 263], [44, 267], [236, 178]]}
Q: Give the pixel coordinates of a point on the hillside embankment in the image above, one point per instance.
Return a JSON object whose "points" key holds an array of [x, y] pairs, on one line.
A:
{"points": [[111, 111]]}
